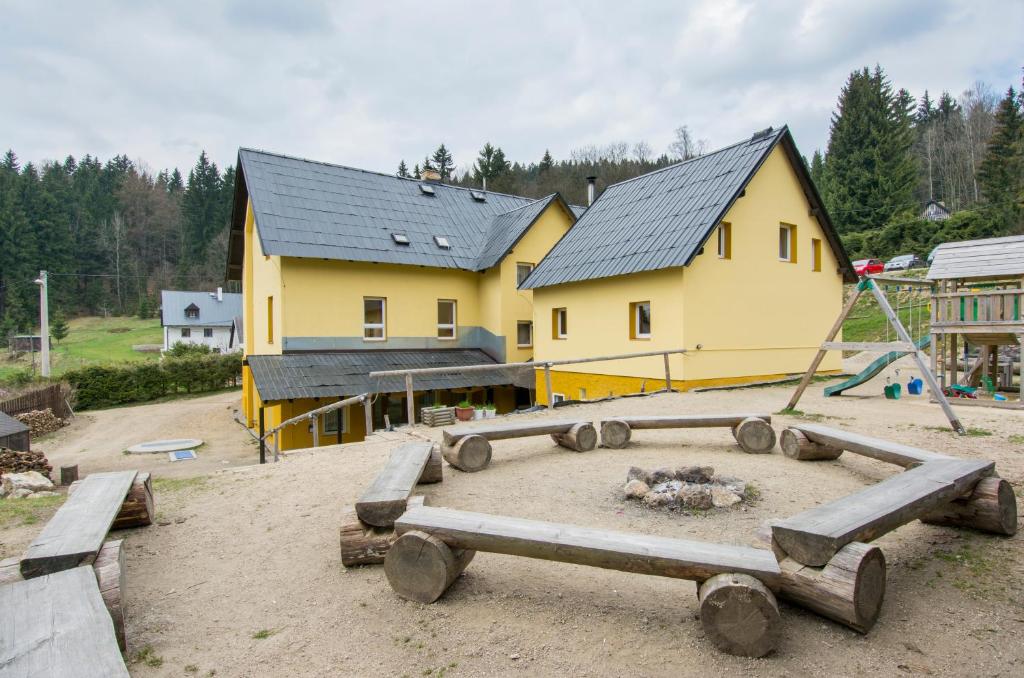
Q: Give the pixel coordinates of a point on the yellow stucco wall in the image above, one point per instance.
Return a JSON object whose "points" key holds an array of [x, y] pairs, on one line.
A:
{"points": [[753, 316], [300, 436]]}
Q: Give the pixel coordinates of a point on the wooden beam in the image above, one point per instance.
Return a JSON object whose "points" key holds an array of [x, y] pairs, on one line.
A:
{"points": [[668, 375], [691, 420], [639, 553], [461, 369], [874, 346], [534, 427], [892, 280], [820, 355], [876, 448], [386, 497], [410, 401]]}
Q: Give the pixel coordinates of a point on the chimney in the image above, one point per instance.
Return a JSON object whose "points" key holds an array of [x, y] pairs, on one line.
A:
{"points": [[220, 294], [591, 187], [431, 175]]}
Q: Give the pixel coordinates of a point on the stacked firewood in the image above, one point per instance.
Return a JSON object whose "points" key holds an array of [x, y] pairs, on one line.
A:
{"points": [[41, 422], [18, 461]]}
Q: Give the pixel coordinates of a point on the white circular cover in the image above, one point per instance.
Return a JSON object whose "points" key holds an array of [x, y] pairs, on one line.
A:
{"points": [[154, 446]]}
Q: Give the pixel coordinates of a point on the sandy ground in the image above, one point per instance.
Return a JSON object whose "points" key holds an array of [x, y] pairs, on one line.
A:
{"points": [[96, 440], [241, 575]]}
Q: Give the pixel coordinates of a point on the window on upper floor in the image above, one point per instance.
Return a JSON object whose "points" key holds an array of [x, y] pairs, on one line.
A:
{"points": [[787, 243], [208, 332], [815, 254], [374, 319], [725, 241], [640, 320], [559, 323], [524, 334], [192, 311], [445, 319], [523, 272]]}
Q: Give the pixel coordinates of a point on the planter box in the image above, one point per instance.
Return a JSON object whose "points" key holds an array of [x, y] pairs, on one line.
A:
{"points": [[437, 416]]}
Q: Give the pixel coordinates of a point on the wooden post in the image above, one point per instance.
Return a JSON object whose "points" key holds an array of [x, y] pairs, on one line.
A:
{"points": [[316, 430], [668, 375], [368, 415], [739, 614], [410, 404], [263, 441], [809, 374], [341, 420], [929, 378], [547, 384], [277, 444], [421, 567], [68, 474]]}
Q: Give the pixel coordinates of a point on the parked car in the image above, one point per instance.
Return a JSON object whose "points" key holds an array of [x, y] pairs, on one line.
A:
{"points": [[868, 266], [904, 262]]}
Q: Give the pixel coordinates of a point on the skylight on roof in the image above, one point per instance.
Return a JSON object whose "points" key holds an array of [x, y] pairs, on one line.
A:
{"points": [[427, 189], [442, 242], [479, 196], [400, 238]]}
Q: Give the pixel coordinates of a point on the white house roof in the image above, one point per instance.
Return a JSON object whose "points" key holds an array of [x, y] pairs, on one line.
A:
{"points": [[212, 312], [989, 258]]}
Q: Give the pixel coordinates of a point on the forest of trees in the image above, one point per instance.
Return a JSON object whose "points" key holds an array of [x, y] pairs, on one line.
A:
{"points": [[113, 234]]}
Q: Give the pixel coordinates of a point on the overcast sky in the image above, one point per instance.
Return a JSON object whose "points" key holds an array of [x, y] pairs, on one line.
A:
{"points": [[366, 84]]}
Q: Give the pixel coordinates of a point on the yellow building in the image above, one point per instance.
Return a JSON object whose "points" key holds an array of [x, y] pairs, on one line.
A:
{"points": [[730, 256], [345, 272]]}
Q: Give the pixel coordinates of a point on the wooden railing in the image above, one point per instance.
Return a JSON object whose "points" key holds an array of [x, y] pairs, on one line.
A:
{"points": [[53, 397], [314, 417], [995, 307]]}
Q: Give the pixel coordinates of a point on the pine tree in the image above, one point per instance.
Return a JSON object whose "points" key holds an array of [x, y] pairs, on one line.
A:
{"points": [[443, 162], [545, 162], [175, 184], [817, 169], [1001, 173], [59, 326], [428, 165], [403, 170], [200, 211], [482, 168], [416, 174]]}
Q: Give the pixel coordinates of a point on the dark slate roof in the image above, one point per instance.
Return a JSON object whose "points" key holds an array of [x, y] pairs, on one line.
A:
{"points": [[345, 373], [662, 219], [506, 230], [305, 208], [211, 312], [10, 426]]}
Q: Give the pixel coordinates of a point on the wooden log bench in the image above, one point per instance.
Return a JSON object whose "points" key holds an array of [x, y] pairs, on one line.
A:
{"points": [[363, 544], [753, 432], [137, 509], [109, 570], [816, 535], [385, 498], [57, 625], [75, 534], [469, 448], [738, 609], [809, 442]]}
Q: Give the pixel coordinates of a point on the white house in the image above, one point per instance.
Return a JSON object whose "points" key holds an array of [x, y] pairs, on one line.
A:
{"points": [[207, 318]]}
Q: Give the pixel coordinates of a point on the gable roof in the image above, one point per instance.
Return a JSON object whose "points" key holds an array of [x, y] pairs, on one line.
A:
{"points": [[313, 209], [989, 258], [211, 312], [663, 218]]}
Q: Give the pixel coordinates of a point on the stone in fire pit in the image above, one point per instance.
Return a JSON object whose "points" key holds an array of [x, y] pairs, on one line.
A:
{"points": [[689, 487]]}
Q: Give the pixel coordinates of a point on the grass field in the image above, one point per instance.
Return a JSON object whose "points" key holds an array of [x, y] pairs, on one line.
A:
{"points": [[92, 341], [868, 323]]}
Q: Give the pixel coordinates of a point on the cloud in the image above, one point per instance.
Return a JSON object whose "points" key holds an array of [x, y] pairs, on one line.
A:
{"points": [[369, 84]]}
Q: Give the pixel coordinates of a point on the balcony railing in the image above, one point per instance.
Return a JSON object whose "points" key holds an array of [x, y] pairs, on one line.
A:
{"points": [[994, 308]]}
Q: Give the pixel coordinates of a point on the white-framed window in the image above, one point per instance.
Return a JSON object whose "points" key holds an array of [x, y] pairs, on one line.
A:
{"points": [[641, 320], [374, 319], [560, 323], [524, 333], [523, 271], [787, 251], [446, 318], [724, 241], [208, 332], [557, 398], [186, 332], [329, 422]]}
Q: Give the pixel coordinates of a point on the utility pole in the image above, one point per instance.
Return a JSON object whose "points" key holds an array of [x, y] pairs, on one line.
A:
{"points": [[44, 324]]}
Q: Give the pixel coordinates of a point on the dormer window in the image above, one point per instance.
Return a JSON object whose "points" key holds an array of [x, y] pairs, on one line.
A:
{"points": [[400, 238], [479, 196], [427, 189], [192, 312], [442, 242]]}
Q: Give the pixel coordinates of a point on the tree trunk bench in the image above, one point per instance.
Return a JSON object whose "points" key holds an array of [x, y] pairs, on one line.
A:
{"points": [[75, 534], [753, 432], [816, 535], [109, 570], [468, 448], [385, 498], [738, 609], [810, 441], [56, 625], [138, 509], [363, 544]]}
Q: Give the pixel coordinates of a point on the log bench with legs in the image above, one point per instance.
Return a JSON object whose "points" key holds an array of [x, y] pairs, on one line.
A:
{"points": [[56, 625], [753, 432], [468, 448], [366, 529], [738, 609]]}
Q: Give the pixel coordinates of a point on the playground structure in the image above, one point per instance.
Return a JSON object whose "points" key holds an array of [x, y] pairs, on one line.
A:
{"points": [[819, 559]]}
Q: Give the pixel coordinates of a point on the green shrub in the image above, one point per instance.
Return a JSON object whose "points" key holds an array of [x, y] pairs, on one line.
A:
{"points": [[182, 350]]}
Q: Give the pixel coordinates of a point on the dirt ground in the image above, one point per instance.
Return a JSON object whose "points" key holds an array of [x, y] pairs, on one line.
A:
{"points": [[96, 440], [241, 575]]}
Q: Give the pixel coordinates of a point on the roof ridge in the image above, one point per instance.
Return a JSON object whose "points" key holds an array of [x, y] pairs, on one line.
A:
{"points": [[377, 173], [529, 204], [776, 132]]}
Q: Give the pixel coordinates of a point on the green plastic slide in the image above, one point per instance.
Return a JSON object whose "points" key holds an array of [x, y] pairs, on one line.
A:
{"points": [[873, 369]]}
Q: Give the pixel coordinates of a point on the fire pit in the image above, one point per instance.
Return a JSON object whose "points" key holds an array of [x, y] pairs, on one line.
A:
{"points": [[687, 487]]}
